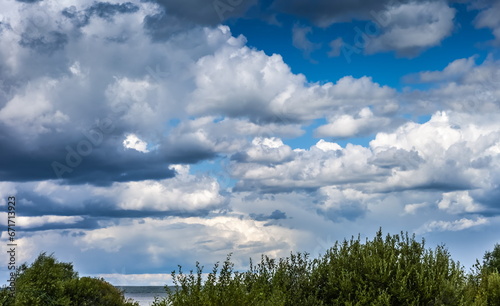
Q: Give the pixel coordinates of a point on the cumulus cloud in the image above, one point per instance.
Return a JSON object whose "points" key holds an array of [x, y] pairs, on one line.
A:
{"points": [[124, 120], [458, 202], [347, 126], [266, 150], [133, 142], [406, 27], [443, 155], [404, 32], [323, 164], [452, 72], [461, 86]]}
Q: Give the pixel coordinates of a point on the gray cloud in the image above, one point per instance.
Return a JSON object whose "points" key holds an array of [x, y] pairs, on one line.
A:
{"points": [[397, 158], [275, 215], [103, 10]]}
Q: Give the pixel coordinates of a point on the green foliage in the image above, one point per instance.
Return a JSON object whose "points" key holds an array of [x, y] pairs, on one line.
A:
{"points": [[484, 281], [88, 291], [397, 270], [492, 259], [390, 270], [49, 282]]}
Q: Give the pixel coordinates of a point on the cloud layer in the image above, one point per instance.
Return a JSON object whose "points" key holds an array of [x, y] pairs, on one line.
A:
{"points": [[149, 130]]}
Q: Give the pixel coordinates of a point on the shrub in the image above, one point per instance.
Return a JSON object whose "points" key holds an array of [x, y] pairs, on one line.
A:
{"points": [[395, 270]]}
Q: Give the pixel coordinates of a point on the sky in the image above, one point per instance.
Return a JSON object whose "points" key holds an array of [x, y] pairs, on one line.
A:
{"points": [[141, 135]]}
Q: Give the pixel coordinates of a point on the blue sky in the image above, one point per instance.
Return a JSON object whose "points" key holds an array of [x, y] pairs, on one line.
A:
{"points": [[139, 135]]}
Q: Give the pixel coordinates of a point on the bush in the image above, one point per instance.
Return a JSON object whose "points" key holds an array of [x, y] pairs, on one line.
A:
{"points": [[395, 270], [484, 281]]}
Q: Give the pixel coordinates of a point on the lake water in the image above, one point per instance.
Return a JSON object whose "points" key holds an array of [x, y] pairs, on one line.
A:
{"points": [[145, 295]]}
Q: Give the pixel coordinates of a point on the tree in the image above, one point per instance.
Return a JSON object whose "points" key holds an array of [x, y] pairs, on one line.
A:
{"points": [[88, 291], [50, 282], [492, 259]]}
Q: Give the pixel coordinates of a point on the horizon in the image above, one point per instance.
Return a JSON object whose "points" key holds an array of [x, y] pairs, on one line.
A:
{"points": [[141, 135]]}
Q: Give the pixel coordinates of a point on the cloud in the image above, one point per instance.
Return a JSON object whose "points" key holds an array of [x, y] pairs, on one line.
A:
{"points": [[413, 27], [335, 47], [452, 72], [144, 279], [347, 126], [487, 18], [324, 13], [406, 27], [457, 225], [413, 208], [133, 142], [265, 150], [397, 158], [161, 241], [462, 87], [263, 89], [338, 203], [176, 15], [302, 42], [323, 164], [78, 141], [36, 222], [458, 202], [163, 99], [275, 215]]}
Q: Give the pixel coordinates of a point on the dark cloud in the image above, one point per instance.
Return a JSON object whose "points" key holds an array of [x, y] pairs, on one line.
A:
{"points": [[91, 211], [349, 210], [181, 14], [103, 10], [98, 165], [325, 12], [275, 215], [44, 42], [397, 158]]}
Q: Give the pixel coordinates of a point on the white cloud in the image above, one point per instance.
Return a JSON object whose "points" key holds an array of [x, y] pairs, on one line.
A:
{"points": [[457, 225], [454, 70], [327, 146], [413, 208], [349, 126], [458, 202], [262, 88], [268, 150], [412, 27], [32, 222], [133, 142]]}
